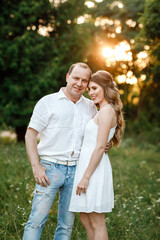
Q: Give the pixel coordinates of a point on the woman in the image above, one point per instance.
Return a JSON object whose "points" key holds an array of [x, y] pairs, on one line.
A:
{"points": [[93, 194]]}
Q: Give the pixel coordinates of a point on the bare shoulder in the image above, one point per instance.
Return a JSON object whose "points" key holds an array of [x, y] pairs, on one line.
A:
{"points": [[105, 115], [107, 110]]}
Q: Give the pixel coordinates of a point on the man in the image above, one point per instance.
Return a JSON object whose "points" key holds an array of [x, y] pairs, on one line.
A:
{"points": [[60, 119]]}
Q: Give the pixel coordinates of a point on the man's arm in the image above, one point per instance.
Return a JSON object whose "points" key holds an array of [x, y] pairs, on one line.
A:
{"points": [[32, 152], [108, 147]]}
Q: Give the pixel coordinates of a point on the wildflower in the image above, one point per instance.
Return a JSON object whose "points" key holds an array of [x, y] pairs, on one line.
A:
{"points": [[124, 205], [23, 224], [140, 197], [149, 208]]}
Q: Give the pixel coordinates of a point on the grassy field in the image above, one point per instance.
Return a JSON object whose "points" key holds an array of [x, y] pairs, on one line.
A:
{"points": [[136, 172]]}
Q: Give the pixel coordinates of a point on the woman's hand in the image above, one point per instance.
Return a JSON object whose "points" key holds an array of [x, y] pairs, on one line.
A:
{"points": [[82, 186]]}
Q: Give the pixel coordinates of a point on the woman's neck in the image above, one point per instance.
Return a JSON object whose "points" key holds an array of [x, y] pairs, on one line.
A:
{"points": [[103, 104]]}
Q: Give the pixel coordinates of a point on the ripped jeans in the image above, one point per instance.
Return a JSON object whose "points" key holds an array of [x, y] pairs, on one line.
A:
{"points": [[61, 178]]}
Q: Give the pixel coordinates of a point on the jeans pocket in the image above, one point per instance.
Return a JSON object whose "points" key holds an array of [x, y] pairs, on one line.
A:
{"points": [[45, 164]]}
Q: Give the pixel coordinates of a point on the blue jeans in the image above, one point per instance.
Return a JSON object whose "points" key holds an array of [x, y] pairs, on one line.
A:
{"points": [[61, 178]]}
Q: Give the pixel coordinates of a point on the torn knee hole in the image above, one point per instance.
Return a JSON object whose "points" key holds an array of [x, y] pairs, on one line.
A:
{"points": [[36, 225], [39, 192]]}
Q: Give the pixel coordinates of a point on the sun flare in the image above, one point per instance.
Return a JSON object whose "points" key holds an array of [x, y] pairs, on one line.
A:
{"points": [[121, 52]]}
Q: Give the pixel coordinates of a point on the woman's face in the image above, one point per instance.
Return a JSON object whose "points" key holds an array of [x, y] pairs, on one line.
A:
{"points": [[96, 92]]}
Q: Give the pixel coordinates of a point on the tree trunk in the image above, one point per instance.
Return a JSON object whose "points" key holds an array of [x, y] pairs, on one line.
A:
{"points": [[20, 131]]}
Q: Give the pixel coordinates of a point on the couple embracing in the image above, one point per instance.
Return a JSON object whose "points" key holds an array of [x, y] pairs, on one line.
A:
{"points": [[73, 139]]}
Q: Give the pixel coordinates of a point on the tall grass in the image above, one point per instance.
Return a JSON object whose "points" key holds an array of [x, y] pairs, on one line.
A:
{"points": [[136, 172]]}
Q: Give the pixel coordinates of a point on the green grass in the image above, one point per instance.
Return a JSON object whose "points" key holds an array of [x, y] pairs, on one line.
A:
{"points": [[136, 172]]}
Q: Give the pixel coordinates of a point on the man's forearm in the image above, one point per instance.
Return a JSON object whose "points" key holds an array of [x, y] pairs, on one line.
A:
{"points": [[32, 152], [31, 147]]}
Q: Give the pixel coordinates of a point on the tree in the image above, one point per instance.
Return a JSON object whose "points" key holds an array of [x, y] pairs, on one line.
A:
{"points": [[24, 56], [115, 22], [38, 42], [150, 35]]}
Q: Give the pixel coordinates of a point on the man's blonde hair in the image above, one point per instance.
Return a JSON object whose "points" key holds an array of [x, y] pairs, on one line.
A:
{"points": [[80, 64]]}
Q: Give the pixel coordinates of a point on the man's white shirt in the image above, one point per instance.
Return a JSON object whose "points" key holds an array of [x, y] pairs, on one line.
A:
{"points": [[61, 124]]}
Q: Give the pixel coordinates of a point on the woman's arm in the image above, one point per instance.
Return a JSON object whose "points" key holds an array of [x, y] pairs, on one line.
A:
{"points": [[105, 118]]}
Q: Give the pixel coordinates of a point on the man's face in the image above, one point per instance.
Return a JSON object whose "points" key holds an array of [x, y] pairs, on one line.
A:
{"points": [[77, 82]]}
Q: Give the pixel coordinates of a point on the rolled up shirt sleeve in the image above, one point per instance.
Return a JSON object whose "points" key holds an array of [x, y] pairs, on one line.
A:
{"points": [[40, 117]]}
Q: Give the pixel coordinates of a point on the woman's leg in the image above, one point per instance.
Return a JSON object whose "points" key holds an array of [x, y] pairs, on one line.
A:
{"points": [[87, 225], [98, 223]]}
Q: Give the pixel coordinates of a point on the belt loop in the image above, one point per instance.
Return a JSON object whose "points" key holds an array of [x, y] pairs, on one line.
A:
{"points": [[56, 163]]}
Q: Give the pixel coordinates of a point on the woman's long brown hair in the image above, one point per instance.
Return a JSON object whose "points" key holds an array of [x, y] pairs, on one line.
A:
{"points": [[112, 95]]}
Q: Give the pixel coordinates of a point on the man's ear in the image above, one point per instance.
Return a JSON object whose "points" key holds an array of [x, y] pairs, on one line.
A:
{"points": [[67, 76]]}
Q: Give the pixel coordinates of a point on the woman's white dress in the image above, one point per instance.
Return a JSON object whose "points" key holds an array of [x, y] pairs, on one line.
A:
{"points": [[99, 196]]}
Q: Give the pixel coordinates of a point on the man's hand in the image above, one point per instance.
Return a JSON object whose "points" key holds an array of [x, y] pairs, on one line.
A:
{"points": [[40, 176], [108, 147], [82, 186]]}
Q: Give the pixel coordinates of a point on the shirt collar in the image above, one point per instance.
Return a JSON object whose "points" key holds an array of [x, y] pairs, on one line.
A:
{"points": [[62, 95]]}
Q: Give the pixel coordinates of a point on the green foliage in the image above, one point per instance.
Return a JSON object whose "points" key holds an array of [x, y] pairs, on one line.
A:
{"points": [[33, 65], [136, 173], [151, 20], [24, 56], [143, 130], [131, 11], [150, 35]]}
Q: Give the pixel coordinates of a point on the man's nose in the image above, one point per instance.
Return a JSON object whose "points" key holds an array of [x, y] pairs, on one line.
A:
{"points": [[79, 83]]}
